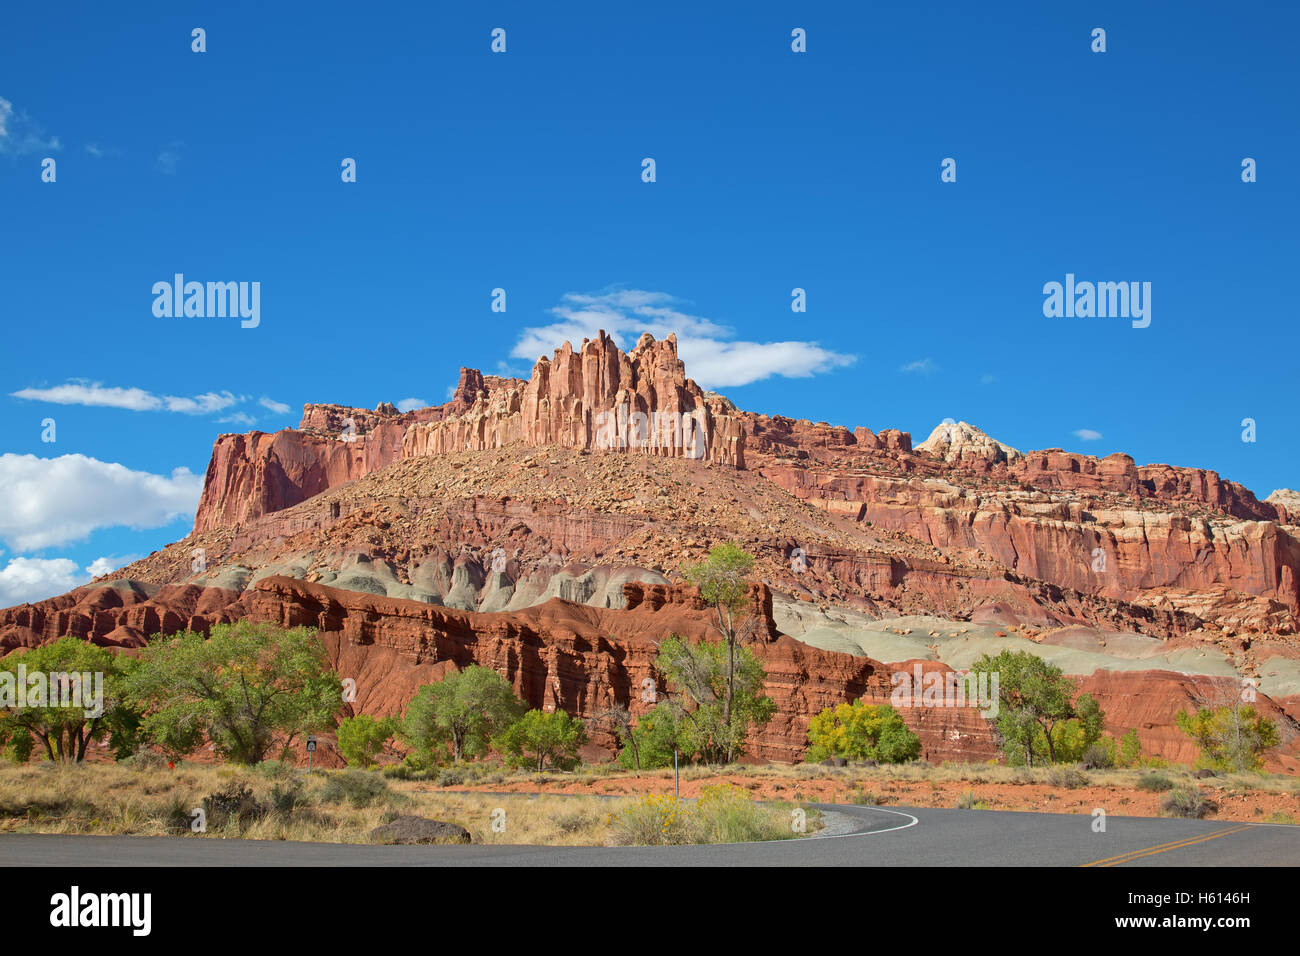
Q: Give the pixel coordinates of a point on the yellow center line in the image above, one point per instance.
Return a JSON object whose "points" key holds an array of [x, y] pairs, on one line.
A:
{"points": [[1166, 847]]}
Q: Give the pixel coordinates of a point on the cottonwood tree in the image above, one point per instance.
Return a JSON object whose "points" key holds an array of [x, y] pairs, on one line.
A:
{"points": [[620, 719], [716, 692], [463, 710], [861, 731], [539, 736], [1036, 704], [62, 708], [239, 686], [1231, 737], [723, 580]]}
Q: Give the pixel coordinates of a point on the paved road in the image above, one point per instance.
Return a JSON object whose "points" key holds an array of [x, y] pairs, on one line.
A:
{"points": [[860, 836]]}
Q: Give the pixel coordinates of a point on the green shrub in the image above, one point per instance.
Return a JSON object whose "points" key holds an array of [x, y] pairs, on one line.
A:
{"points": [[1188, 802], [234, 803], [362, 738], [1099, 755], [654, 820], [288, 796], [150, 761], [861, 731], [175, 815], [452, 777], [276, 769], [1154, 782], [1067, 777], [724, 813], [414, 766], [572, 822], [357, 787]]}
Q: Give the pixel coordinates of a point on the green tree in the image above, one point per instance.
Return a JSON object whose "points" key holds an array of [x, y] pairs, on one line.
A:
{"points": [[1037, 709], [723, 580], [463, 710], [1072, 737], [539, 736], [1231, 738], [239, 686], [620, 719], [70, 695], [716, 691], [861, 731], [361, 738], [655, 738], [1130, 749]]}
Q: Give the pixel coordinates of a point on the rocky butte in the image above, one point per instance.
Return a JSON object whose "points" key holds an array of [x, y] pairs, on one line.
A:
{"points": [[540, 527]]}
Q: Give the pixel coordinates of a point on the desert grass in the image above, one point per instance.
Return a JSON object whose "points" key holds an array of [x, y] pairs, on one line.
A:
{"points": [[278, 802], [1001, 774], [724, 813]]}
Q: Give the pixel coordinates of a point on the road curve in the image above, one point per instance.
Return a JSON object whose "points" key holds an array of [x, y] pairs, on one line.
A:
{"points": [[859, 836]]}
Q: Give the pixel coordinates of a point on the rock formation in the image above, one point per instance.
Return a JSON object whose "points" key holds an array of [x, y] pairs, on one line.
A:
{"points": [[596, 398], [960, 442], [538, 526]]}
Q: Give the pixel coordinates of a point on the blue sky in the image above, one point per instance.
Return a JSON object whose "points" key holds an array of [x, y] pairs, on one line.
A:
{"points": [[522, 171]]}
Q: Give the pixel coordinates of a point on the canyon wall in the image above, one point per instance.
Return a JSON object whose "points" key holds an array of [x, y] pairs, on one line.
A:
{"points": [[573, 657]]}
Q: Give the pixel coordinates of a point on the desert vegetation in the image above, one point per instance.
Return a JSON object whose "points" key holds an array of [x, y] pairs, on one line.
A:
{"points": [[142, 796], [247, 691]]}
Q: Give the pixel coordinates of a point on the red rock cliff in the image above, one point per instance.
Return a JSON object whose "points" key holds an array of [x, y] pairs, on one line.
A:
{"points": [[601, 398]]}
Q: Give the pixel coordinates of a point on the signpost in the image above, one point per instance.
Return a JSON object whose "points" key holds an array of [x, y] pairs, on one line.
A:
{"points": [[311, 749]]}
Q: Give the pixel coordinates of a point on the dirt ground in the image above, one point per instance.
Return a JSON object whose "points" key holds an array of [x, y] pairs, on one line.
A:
{"points": [[1238, 797]]}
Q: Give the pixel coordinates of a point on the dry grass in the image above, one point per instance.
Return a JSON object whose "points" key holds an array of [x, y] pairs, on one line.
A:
{"points": [[1000, 774], [288, 804]]}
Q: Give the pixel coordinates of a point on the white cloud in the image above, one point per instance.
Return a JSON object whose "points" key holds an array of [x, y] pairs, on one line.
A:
{"points": [[168, 160], [105, 564], [200, 404], [79, 392], [238, 418], [26, 580], [711, 357], [33, 579], [410, 404], [1087, 434], [18, 135], [280, 408], [921, 366], [53, 501]]}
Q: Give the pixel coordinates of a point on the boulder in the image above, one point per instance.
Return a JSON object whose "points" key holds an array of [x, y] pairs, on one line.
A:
{"points": [[409, 829]]}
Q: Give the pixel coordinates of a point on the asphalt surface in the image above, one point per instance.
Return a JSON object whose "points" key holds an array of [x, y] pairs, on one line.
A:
{"points": [[857, 836]]}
